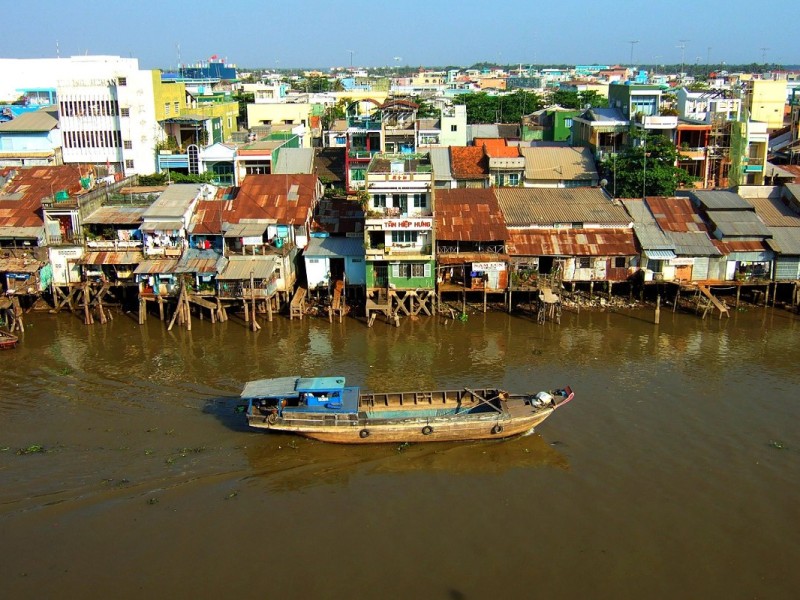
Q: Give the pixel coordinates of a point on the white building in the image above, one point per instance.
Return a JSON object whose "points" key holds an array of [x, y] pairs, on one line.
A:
{"points": [[106, 107], [704, 106]]}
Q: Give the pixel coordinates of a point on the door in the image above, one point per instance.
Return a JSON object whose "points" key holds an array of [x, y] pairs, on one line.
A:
{"points": [[381, 275]]}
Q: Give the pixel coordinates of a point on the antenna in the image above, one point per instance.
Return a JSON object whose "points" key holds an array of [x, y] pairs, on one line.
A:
{"points": [[632, 43], [682, 46], [351, 57], [764, 55], [58, 51], [179, 54]]}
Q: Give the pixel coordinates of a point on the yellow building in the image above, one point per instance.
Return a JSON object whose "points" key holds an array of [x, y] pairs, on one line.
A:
{"points": [[766, 101], [217, 107], [169, 97]]}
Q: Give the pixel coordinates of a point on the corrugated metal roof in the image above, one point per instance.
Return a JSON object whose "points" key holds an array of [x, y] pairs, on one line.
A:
{"points": [[329, 164], [111, 258], [116, 215], [294, 161], [269, 197], [174, 201], [238, 268], [158, 266], [648, 232], [572, 242], [248, 228], [676, 214], [44, 119], [693, 243], [199, 261], [785, 240], [547, 206], [19, 265], [738, 223], [21, 196], [719, 200], [34, 233], [469, 215], [207, 217], [161, 226], [559, 163], [333, 247], [440, 161], [774, 213]]}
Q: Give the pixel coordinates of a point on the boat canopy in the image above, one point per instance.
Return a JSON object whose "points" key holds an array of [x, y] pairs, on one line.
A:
{"points": [[278, 387]]}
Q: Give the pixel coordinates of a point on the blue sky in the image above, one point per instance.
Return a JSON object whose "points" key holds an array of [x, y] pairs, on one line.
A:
{"points": [[314, 33]]}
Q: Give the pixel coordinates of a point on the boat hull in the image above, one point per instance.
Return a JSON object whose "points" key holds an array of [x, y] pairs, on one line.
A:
{"points": [[422, 430]]}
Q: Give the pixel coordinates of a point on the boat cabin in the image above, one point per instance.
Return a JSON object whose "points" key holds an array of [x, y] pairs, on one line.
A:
{"points": [[281, 395]]}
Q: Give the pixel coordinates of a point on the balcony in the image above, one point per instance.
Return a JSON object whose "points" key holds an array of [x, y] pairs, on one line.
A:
{"points": [[652, 122], [168, 159], [362, 123], [361, 154]]}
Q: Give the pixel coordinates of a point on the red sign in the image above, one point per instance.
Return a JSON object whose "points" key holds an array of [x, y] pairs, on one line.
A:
{"points": [[408, 224]]}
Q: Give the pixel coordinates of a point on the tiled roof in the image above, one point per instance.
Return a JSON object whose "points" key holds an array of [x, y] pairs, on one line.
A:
{"points": [[546, 206], [21, 196], [468, 162], [469, 215], [559, 164], [287, 199], [572, 242]]}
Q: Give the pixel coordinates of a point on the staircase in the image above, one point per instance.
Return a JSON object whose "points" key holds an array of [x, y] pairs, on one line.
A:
{"points": [[712, 301]]}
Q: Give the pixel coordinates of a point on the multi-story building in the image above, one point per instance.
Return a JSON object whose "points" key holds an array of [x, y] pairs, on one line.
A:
{"points": [[399, 232], [765, 101]]}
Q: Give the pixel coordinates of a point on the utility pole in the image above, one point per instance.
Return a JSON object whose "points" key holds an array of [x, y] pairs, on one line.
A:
{"points": [[632, 43]]}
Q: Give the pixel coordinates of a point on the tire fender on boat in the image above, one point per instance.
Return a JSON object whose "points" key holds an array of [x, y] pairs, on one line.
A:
{"points": [[427, 430], [364, 433], [272, 418], [497, 429]]}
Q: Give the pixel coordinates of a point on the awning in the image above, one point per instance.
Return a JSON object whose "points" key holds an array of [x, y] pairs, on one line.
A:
{"points": [[659, 254], [238, 230], [239, 268], [161, 226]]}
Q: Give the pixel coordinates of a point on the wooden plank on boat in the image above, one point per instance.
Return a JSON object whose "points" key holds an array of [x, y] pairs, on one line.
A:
{"points": [[483, 400]]}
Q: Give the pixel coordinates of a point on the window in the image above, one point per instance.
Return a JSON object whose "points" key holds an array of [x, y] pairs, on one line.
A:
{"points": [[379, 200], [619, 262], [127, 144], [122, 81], [129, 164], [404, 237], [125, 112], [341, 140], [418, 270], [313, 260], [420, 200], [177, 107], [568, 123], [357, 174], [513, 179], [403, 270], [453, 127], [584, 262], [166, 108]]}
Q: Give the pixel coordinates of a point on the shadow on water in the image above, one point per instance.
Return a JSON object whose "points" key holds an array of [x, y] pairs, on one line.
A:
{"points": [[229, 411], [289, 463]]}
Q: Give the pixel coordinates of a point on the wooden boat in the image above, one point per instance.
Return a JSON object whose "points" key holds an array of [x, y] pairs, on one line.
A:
{"points": [[7, 340], [324, 408]]}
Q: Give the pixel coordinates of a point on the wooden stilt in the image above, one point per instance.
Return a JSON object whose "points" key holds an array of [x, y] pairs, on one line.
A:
{"points": [[658, 310], [738, 295]]}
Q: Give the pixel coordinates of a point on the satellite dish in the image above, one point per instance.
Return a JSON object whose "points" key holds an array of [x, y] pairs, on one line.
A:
{"points": [[603, 182]]}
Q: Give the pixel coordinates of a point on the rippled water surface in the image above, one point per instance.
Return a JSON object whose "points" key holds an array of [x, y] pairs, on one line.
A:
{"points": [[675, 473]]}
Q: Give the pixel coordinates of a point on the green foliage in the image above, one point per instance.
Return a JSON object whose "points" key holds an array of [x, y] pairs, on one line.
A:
{"points": [[174, 177], [427, 110], [651, 162], [508, 108], [578, 100]]}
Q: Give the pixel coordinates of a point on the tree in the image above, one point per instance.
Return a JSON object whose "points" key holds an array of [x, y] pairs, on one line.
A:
{"points": [[651, 162], [507, 108]]}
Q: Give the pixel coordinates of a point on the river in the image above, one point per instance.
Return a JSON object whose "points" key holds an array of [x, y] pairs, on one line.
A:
{"points": [[125, 471]]}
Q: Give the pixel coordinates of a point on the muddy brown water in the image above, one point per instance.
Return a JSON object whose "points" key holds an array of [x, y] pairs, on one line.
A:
{"points": [[675, 473]]}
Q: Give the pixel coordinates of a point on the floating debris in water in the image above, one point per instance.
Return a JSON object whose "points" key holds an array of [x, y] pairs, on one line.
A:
{"points": [[233, 494], [777, 445], [152, 501], [32, 449]]}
